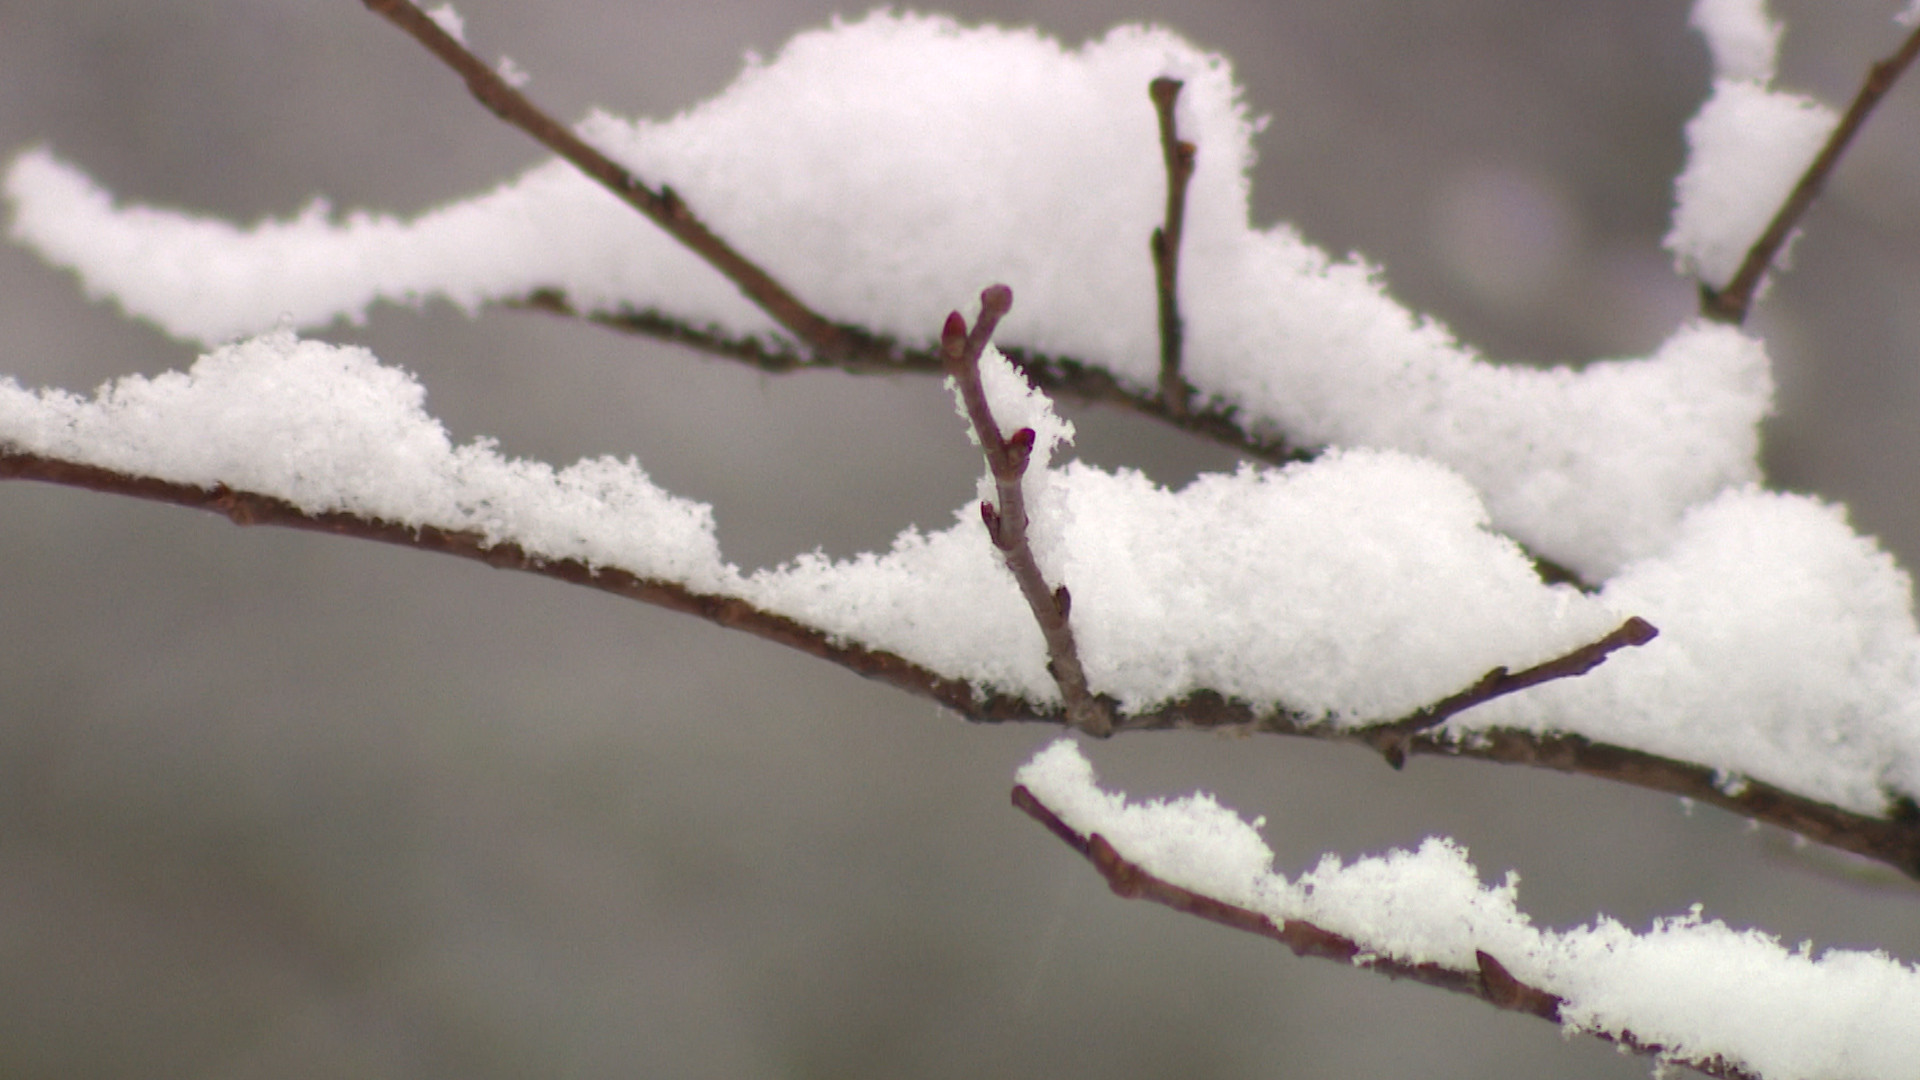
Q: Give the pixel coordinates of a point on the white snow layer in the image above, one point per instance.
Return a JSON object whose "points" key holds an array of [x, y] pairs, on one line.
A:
{"points": [[327, 428], [1354, 589], [891, 167], [1743, 38], [1747, 146], [1698, 989]]}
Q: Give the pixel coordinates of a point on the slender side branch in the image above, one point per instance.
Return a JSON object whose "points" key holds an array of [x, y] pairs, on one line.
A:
{"points": [[1730, 304], [1894, 840], [829, 341], [1490, 981], [1392, 739], [1006, 523], [1179, 157]]}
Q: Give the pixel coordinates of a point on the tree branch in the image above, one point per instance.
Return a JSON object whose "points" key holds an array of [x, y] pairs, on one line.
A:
{"points": [[828, 340], [1894, 841], [1731, 303], [1179, 158], [1490, 981], [1007, 459], [1393, 739]]}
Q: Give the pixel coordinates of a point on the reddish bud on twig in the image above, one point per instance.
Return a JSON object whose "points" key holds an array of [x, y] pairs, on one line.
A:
{"points": [[1020, 451]]}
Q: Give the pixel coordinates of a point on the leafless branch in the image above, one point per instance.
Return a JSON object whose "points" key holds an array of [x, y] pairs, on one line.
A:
{"points": [[1392, 739], [1731, 303], [1490, 981], [664, 206], [1893, 840], [1007, 459], [1179, 158]]}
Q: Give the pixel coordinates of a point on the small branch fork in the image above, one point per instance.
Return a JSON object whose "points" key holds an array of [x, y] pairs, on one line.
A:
{"points": [[1392, 740], [1490, 981], [1894, 840], [1730, 304], [829, 342], [1007, 459], [1179, 156]]}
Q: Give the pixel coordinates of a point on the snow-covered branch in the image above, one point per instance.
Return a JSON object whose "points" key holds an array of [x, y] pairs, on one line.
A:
{"points": [[1385, 593], [1691, 992], [664, 206], [1731, 301]]}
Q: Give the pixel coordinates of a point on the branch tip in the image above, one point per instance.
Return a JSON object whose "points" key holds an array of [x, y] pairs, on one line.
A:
{"points": [[996, 300]]}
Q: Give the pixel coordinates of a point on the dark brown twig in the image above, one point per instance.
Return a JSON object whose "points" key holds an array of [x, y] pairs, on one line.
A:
{"points": [[664, 207], [1730, 303], [1894, 840], [1179, 157], [1489, 980], [1392, 739], [1007, 459]]}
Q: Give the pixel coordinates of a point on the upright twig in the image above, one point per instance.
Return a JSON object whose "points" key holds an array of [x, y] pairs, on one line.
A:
{"points": [[1731, 303], [1007, 459], [1179, 156], [1489, 980], [827, 340]]}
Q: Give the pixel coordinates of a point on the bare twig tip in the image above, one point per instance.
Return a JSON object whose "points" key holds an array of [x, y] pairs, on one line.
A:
{"points": [[997, 299]]}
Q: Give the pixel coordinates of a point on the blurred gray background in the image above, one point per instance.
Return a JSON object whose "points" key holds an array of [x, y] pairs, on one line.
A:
{"points": [[278, 805]]}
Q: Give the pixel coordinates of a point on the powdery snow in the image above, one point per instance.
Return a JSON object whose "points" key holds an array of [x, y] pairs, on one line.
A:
{"points": [[1746, 147], [1697, 988], [890, 168], [328, 428], [1354, 590], [893, 166]]}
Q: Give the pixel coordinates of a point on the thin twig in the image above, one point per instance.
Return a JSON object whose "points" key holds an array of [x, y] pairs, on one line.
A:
{"points": [[1489, 980], [1894, 840], [664, 206], [1392, 739], [1179, 157], [1731, 303], [1007, 459]]}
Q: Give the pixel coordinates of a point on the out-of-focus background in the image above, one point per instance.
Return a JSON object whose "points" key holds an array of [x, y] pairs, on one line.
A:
{"points": [[279, 805]]}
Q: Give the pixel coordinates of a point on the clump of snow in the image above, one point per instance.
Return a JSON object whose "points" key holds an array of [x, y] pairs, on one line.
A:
{"points": [[328, 428], [1747, 146], [1698, 989], [449, 20], [512, 74], [1788, 653], [887, 167], [1744, 39], [1353, 589]]}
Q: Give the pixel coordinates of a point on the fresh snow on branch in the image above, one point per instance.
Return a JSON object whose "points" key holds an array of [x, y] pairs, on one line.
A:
{"points": [[1747, 146], [1696, 988], [1354, 589], [890, 167]]}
